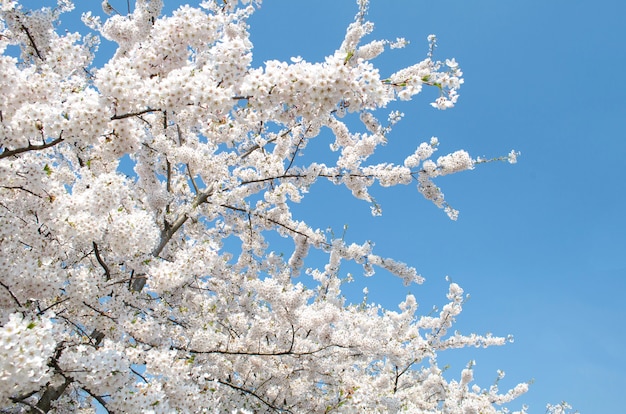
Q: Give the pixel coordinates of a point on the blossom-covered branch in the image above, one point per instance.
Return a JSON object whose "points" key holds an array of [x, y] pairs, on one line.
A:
{"points": [[143, 204]]}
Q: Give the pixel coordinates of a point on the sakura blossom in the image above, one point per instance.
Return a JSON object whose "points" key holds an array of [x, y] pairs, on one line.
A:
{"points": [[124, 293]]}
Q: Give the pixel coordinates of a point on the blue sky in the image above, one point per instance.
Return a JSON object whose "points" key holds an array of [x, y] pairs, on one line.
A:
{"points": [[539, 245]]}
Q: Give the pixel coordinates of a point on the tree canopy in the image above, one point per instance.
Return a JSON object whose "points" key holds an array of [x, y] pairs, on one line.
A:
{"points": [[158, 289]]}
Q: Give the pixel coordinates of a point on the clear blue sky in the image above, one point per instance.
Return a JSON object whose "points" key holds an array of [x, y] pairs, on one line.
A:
{"points": [[540, 245]]}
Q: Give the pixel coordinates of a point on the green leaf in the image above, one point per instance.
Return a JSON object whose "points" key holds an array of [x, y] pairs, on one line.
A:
{"points": [[348, 57]]}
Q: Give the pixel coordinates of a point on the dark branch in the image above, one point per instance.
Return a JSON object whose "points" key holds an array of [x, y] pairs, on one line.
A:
{"points": [[131, 114], [33, 408], [97, 398], [31, 147], [295, 153], [253, 394], [19, 187], [168, 231], [136, 283], [44, 310], [99, 312], [32, 41], [101, 262], [53, 393], [252, 213], [290, 351], [139, 375], [19, 305], [256, 146]]}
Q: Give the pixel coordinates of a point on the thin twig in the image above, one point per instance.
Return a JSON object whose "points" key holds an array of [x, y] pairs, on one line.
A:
{"points": [[256, 146], [19, 187], [270, 220], [99, 311], [44, 310], [131, 114], [32, 41], [19, 305], [97, 398], [253, 394], [139, 375]]}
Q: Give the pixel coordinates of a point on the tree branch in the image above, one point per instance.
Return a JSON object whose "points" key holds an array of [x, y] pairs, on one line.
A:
{"points": [[193, 182], [33, 408], [19, 305], [31, 147], [19, 187], [101, 313], [253, 394], [44, 310], [97, 398], [101, 262], [131, 114], [261, 216], [52, 393], [256, 146], [139, 375], [32, 41], [168, 231]]}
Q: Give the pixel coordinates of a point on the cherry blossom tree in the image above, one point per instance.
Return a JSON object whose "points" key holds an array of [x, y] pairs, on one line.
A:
{"points": [[158, 290]]}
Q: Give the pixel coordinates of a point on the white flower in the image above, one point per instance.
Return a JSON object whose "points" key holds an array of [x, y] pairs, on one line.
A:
{"points": [[107, 8], [452, 63]]}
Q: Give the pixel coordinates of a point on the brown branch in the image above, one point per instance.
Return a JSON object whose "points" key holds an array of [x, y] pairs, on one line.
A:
{"points": [[290, 351], [22, 400], [329, 176], [399, 374], [253, 394], [97, 398], [278, 177], [170, 229], [80, 330], [139, 375], [295, 152], [256, 146], [52, 393], [19, 305], [31, 147], [261, 216], [101, 262], [131, 114], [136, 283], [32, 41], [99, 312], [44, 310], [19, 187]]}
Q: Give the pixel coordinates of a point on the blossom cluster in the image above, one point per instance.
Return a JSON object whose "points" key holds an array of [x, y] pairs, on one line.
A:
{"points": [[26, 346], [168, 287]]}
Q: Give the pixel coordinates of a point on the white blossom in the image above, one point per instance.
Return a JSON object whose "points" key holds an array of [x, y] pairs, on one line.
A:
{"points": [[152, 260]]}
